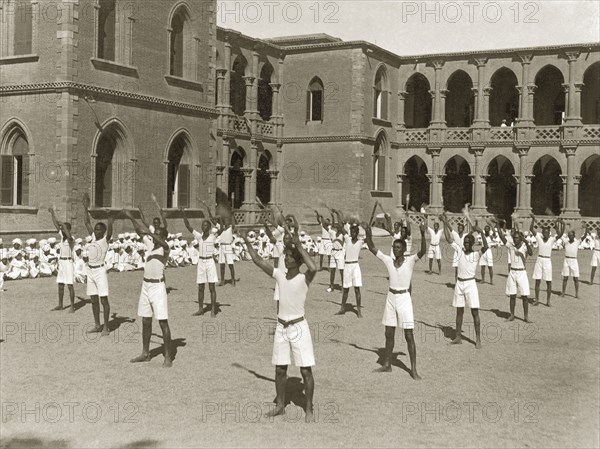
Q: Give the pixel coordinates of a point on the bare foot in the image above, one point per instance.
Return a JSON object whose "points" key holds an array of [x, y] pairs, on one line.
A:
{"points": [[383, 369], [213, 314], [562, 295], [71, 309], [105, 331], [341, 312], [536, 303], [198, 313], [358, 314], [310, 417], [478, 345], [456, 341], [510, 318], [279, 410], [56, 309], [221, 284], [141, 358], [415, 375], [233, 283], [168, 363], [95, 330], [548, 304], [527, 320]]}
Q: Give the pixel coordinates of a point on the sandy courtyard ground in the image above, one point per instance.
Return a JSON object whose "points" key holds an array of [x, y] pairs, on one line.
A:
{"points": [[531, 385]]}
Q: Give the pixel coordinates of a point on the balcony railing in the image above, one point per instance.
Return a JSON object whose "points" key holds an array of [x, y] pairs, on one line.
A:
{"points": [[251, 218]]}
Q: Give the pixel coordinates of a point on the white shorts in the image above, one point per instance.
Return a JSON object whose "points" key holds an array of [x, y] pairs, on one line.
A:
{"points": [[434, 252], [595, 258], [325, 247], [207, 272], [337, 260], [294, 340], [97, 282], [543, 269], [66, 272], [352, 275], [486, 259], [570, 268], [225, 254], [466, 292], [398, 311], [153, 301], [517, 283]]}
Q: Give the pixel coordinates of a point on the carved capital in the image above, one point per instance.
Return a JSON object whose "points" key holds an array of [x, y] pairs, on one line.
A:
{"points": [[248, 172], [487, 91], [480, 61], [249, 80], [477, 151], [400, 177], [578, 87], [440, 178], [529, 178], [432, 93], [221, 73], [438, 64], [572, 55], [577, 179], [402, 95], [220, 169], [275, 86], [525, 58], [570, 150], [434, 151], [565, 87], [484, 178], [444, 93], [274, 174], [531, 89], [522, 150]]}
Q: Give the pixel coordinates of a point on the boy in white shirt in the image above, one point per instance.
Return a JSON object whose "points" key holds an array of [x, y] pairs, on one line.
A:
{"points": [[352, 276], [293, 286], [543, 263], [571, 264], [398, 309], [595, 255], [435, 252]]}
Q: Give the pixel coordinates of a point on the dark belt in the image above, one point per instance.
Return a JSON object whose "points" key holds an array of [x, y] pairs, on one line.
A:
{"points": [[96, 266], [465, 280], [351, 261], [286, 324], [66, 258], [570, 257], [517, 269], [206, 258], [154, 281], [545, 257], [434, 244], [398, 292]]}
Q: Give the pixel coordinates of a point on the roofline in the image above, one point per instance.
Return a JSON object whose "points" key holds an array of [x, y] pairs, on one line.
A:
{"points": [[365, 44]]}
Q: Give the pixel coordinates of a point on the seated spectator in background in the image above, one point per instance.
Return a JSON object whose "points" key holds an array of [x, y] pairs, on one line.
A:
{"points": [[194, 252], [79, 264], [503, 124], [17, 267]]}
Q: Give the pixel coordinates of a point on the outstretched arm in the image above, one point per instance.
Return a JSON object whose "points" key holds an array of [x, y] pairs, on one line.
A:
{"points": [[272, 239], [109, 228], [501, 233], [484, 244], [447, 228], [86, 214], [211, 217], [341, 221], [186, 221], [369, 238], [423, 248], [258, 261], [54, 220], [142, 217], [319, 220], [162, 213], [310, 263], [560, 228], [532, 225]]}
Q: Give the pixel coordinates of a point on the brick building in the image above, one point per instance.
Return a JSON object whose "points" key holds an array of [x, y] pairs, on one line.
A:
{"points": [[124, 99]]}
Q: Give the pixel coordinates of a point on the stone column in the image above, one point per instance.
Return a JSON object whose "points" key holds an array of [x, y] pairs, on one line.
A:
{"points": [[437, 100], [525, 92], [576, 183], [435, 192], [256, 75], [570, 204], [274, 174], [480, 118], [249, 193], [221, 106], [275, 99], [400, 177], [442, 114], [523, 208], [478, 186], [227, 81], [401, 101], [573, 114]]}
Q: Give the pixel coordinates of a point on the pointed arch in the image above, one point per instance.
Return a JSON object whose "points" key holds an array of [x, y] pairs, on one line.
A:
{"points": [[237, 85], [265, 92], [590, 95], [460, 100], [15, 159], [547, 186], [457, 188], [381, 93], [179, 162], [380, 152], [504, 99], [315, 100], [181, 41], [549, 96], [417, 106]]}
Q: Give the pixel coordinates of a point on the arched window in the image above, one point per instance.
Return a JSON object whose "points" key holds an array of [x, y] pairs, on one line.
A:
{"points": [[181, 45], [381, 94], [549, 97], [178, 173], [590, 95], [104, 170], [236, 179], [457, 189], [265, 92], [14, 187], [263, 178], [504, 99], [460, 101], [379, 155], [107, 30], [417, 106], [315, 99], [237, 85]]}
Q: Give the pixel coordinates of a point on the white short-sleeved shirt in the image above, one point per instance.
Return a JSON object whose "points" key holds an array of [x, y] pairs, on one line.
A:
{"points": [[571, 248], [206, 247], [516, 261], [155, 268], [352, 249], [65, 249], [435, 236], [97, 250], [399, 277], [325, 233], [458, 239], [227, 236], [292, 294], [467, 263], [278, 233], [544, 248]]}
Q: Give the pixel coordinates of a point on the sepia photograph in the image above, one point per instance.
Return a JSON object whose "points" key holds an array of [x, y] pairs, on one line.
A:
{"points": [[299, 224]]}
